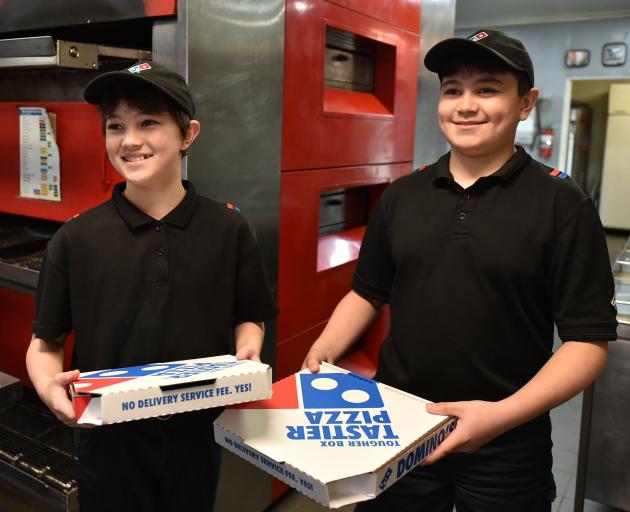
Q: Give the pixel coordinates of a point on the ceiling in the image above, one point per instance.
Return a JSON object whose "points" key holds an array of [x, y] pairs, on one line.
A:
{"points": [[471, 14]]}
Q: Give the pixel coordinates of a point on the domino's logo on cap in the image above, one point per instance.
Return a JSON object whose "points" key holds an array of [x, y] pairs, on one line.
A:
{"points": [[339, 391], [478, 36], [139, 67]]}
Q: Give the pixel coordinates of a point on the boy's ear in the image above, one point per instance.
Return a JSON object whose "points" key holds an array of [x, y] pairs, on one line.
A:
{"points": [[528, 100], [194, 127]]}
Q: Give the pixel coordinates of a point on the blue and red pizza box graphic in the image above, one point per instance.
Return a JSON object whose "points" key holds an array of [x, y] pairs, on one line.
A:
{"points": [[335, 436], [124, 394]]}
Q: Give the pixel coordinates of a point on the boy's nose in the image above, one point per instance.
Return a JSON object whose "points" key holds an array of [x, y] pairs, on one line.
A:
{"points": [[131, 138], [468, 103]]}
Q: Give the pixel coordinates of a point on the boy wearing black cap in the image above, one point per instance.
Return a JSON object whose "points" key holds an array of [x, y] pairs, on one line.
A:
{"points": [[155, 274], [478, 256]]}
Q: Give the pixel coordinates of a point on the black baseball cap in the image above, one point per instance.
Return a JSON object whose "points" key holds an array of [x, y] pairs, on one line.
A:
{"points": [[161, 78], [482, 42]]}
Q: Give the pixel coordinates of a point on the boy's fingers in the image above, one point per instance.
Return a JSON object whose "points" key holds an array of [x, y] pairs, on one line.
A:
{"points": [[447, 446], [62, 406], [66, 378], [313, 359], [444, 408], [67, 411], [313, 364], [248, 353], [249, 356]]}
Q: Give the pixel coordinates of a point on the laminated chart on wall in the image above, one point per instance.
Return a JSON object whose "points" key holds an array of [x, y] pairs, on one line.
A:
{"points": [[39, 156]]}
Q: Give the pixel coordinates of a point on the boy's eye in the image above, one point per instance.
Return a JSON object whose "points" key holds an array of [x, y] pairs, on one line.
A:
{"points": [[451, 91], [149, 122], [113, 127], [487, 90]]}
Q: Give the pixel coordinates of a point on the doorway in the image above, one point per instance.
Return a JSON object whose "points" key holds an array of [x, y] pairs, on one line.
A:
{"points": [[584, 139], [584, 120]]}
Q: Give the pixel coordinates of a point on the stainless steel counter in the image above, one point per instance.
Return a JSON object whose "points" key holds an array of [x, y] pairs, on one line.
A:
{"points": [[604, 457]]}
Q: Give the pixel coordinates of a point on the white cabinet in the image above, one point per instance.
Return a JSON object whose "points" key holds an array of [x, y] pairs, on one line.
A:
{"points": [[614, 208]]}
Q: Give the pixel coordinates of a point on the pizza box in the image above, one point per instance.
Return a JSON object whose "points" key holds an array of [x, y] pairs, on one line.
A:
{"points": [[124, 394], [335, 436]]}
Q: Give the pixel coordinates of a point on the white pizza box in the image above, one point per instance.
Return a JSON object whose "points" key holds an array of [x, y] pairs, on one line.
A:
{"points": [[335, 436], [124, 394]]}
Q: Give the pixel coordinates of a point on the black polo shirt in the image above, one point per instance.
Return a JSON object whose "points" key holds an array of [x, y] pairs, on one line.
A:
{"points": [[136, 290], [476, 278]]}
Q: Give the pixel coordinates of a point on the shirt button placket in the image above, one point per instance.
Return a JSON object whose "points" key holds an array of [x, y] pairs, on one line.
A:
{"points": [[161, 262], [462, 224]]}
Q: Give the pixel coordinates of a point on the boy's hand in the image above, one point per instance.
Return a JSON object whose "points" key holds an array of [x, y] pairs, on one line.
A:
{"points": [[248, 352], [314, 358], [249, 339], [478, 423], [56, 397]]}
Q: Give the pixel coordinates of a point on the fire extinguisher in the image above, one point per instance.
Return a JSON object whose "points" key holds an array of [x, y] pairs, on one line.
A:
{"points": [[545, 143]]}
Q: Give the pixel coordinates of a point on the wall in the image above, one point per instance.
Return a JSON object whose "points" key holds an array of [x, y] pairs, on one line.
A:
{"points": [[437, 22], [595, 94], [547, 44]]}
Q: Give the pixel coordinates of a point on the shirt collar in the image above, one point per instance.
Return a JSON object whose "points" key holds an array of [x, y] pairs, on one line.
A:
{"points": [[516, 162], [136, 218]]}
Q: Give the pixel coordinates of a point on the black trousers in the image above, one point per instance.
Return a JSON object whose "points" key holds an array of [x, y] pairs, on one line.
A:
{"points": [[153, 465], [508, 475]]}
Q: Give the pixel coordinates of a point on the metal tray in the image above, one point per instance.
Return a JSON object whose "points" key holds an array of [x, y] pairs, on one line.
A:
{"points": [[22, 246], [37, 455]]}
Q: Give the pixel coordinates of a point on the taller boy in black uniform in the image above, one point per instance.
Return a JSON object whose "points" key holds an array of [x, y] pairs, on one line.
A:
{"points": [[478, 256], [155, 274]]}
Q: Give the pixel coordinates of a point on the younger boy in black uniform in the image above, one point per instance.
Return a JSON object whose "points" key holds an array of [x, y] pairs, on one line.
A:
{"points": [[478, 256], [155, 274]]}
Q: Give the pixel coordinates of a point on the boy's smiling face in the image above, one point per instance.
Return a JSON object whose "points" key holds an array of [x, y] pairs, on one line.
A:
{"points": [[478, 111], [146, 148]]}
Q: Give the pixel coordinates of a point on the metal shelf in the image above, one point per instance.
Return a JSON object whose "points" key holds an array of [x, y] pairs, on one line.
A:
{"points": [[22, 244], [18, 278], [44, 52]]}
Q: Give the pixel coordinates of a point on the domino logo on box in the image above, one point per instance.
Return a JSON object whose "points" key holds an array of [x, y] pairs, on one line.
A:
{"points": [[335, 436]]}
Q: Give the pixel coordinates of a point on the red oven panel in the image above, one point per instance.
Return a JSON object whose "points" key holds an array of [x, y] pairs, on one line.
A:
{"points": [[160, 7], [16, 319], [315, 271], [87, 176], [402, 13], [327, 126]]}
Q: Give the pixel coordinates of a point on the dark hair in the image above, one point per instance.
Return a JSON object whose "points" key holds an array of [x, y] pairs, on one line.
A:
{"points": [[485, 63], [145, 98]]}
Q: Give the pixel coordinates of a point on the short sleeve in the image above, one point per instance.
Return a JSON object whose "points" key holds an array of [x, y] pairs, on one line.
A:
{"points": [[375, 269], [253, 298], [53, 315], [582, 284]]}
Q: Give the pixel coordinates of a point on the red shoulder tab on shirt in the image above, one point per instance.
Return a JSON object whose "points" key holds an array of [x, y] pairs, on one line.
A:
{"points": [[421, 168], [558, 174], [230, 206]]}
